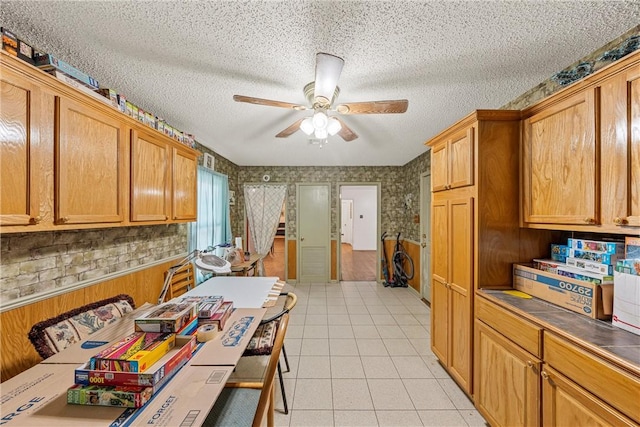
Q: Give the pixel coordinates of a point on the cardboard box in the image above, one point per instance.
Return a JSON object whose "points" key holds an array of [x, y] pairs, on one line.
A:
{"points": [[138, 356], [154, 377], [590, 299], [626, 302], [592, 266], [186, 400], [629, 266], [47, 62], [600, 257], [80, 86], [224, 351], [632, 247], [83, 351], [220, 317], [559, 252], [167, 317], [99, 395], [612, 248]]}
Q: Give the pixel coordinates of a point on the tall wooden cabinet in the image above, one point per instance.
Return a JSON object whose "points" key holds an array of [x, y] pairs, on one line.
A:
{"points": [[19, 139], [581, 154], [69, 161], [474, 223]]}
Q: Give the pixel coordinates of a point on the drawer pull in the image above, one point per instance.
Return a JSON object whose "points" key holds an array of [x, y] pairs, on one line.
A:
{"points": [[36, 220], [590, 220], [64, 220]]}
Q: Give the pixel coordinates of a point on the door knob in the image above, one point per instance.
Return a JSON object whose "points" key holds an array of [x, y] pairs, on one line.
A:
{"points": [[302, 239]]}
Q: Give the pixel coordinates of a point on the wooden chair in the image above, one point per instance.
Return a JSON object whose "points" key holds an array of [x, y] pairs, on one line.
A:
{"points": [[183, 280], [262, 342], [245, 403]]}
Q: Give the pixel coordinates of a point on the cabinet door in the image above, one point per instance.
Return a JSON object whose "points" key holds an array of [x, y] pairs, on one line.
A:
{"points": [[461, 168], [150, 189], [507, 389], [19, 113], [439, 167], [439, 273], [564, 403], [633, 194], [185, 191], [620, 158], [90, 165], [560, 174], [452, 161], [460, 243]]}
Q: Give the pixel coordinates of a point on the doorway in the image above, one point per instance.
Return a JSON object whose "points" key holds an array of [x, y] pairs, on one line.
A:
{"points": [[359, 231], [425, 236]]}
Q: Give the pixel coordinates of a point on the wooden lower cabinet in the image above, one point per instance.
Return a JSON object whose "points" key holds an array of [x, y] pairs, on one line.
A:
{"points": [[565, 403], [507, 385]]}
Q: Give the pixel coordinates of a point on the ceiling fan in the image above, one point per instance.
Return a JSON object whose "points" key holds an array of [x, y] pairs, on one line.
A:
{"points": [[321, 94]]}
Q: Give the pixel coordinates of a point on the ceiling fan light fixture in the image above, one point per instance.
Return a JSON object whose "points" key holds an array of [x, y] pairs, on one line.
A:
{"points": [[334, 126], [328, 69], [307, 126]]}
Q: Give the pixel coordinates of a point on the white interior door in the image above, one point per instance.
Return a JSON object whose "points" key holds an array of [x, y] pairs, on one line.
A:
{"points": [[425, 236], [346, 219], [314, 236]]}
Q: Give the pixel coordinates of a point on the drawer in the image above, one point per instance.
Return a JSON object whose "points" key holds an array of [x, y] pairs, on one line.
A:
{"points": [[608, 382], [522, 332]]}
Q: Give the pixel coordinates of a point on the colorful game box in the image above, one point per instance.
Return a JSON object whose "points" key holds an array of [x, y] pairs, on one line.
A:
{"points": [[120, 396], [167, 317]]}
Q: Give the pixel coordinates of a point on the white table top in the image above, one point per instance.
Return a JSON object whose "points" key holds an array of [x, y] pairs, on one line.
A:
{"points": [[245, 292]]}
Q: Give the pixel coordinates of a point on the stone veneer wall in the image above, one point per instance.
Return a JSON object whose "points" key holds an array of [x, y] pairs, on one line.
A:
{"points": [[41, 262], [32, 263]]}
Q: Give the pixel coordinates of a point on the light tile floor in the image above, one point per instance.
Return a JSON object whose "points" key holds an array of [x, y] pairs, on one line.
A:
{"points": [[360, 356]]}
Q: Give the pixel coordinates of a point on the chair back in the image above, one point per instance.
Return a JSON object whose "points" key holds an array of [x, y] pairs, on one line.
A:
{"points": [[270, 373], [182, 281]]}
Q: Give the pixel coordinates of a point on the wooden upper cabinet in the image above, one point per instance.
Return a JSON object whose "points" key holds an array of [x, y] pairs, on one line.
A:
{"points": [[559, 163], [620, 130], [452, 161], [19, 138], [184, 179], [150, 188], [91, 168]]}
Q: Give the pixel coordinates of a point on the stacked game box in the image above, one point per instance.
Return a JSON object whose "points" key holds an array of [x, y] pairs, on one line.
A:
{"points": [[167, 317], [134, 353]]}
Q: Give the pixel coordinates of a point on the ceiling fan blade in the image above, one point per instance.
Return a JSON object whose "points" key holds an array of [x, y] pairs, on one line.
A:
{"points": [[268, 102], [328, 70], [374, 107], [290, 130], [345, 132]]}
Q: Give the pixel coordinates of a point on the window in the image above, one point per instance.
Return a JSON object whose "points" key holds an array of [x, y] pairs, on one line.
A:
{"points": [[213, 226]]}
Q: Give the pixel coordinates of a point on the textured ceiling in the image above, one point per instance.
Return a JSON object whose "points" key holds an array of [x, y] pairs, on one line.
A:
{"points": [[185, 60]]}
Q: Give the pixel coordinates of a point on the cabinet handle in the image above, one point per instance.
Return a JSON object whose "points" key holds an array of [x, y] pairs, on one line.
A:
{"points": [[544, 375], [36, 220], [590, 220], [529, 364], [64, 220], [619, 221], [166, 217]]}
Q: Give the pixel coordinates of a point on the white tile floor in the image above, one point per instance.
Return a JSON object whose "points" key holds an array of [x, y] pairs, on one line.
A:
{"points": [[360, 356]]}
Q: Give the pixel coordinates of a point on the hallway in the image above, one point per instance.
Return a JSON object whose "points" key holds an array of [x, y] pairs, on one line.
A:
{"points": [[360, 356]]}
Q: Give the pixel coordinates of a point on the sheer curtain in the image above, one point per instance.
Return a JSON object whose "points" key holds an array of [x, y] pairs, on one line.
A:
{"points": [[263, 204], [213, 226]]}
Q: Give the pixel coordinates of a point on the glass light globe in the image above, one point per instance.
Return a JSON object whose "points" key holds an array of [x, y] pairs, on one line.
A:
{"points": [[321, 133], [320, 120], [307, 126], [334, 126]]}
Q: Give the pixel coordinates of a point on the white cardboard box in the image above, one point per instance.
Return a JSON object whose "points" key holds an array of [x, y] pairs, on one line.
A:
{"points": [[626, 302]]}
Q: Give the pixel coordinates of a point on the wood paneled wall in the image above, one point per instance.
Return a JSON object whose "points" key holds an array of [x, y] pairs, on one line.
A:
{"points": [[16, 351]]}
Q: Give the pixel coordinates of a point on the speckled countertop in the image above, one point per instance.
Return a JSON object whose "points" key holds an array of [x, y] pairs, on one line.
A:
{"points": [[602, 338]]}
